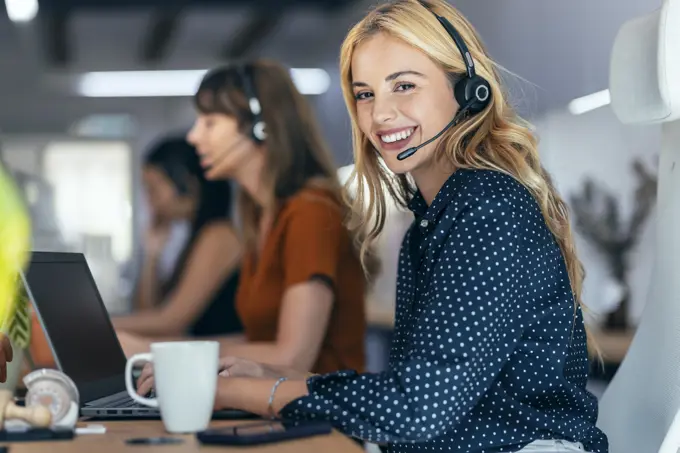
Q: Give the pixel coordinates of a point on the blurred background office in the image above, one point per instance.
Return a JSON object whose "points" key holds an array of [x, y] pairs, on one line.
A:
{"points": [[87, 85]]}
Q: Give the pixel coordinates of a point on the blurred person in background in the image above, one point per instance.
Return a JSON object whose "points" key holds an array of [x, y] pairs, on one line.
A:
{"points": [[198, 298], [302, 287]]}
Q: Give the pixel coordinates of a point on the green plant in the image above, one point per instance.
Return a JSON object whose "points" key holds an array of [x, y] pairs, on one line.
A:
{"points": [[19, 328], [598, 218]]}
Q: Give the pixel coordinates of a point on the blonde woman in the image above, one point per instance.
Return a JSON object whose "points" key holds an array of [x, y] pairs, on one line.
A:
{"points": [[490, 349]]}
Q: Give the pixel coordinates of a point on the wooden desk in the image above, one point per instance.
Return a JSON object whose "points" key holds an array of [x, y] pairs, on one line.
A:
{"points": [[117, 432], [614, 345]]}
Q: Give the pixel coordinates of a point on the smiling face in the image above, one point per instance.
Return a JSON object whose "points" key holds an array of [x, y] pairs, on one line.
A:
{"points": [[402, 98]]}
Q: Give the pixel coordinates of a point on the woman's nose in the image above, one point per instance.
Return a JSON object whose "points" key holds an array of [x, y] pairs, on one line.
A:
{"points": [[384, 110]]}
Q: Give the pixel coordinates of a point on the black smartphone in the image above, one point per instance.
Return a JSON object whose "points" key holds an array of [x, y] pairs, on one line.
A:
{"points": [[262, 433], [30, 434]]}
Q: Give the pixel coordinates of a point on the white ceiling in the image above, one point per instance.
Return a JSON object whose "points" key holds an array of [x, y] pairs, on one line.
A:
{"points": [[562, 48]]}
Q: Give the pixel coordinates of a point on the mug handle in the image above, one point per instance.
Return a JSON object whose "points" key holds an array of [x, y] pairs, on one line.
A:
{"points": [[147, 356]]}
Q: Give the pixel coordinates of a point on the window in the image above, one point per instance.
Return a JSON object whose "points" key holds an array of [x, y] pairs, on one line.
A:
{"points": [[92, 194], [79, 193]]}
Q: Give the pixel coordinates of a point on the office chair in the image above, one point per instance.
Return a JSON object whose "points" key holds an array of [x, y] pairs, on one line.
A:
{"points": [[640, 409]]}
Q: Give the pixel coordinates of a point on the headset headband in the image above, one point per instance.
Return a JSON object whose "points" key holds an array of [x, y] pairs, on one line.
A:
{"points": [[460, 43], [246, 72]]}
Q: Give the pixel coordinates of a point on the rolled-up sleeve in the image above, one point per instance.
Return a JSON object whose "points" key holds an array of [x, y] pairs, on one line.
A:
{"points": [[312, 245], [466, 328]]}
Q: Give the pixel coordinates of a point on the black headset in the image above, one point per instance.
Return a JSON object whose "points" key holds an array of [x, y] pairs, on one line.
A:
{"points": [[257, 131], [471, 90]]}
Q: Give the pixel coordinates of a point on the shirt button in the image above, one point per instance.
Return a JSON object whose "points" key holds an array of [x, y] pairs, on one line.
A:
{"points": [[424, 223]]}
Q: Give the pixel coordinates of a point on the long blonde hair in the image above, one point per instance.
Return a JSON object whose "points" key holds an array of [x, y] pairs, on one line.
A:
{"points": [[508, 143]]}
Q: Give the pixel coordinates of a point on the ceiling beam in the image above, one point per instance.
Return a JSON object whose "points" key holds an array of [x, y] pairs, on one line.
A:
{"points": [[256, 29], [56, 37], [156, 42]]}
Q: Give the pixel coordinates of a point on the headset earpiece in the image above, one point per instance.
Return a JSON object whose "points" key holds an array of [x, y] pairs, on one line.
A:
{"points": [[473, 92], [257, 132]]}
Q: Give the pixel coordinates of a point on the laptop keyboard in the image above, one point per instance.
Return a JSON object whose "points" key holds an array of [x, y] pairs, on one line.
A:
{"points": [[125, 402], [120, 400]]}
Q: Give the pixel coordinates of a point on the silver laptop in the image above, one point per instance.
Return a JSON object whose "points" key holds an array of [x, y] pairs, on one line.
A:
{"points": [[82, 338]]}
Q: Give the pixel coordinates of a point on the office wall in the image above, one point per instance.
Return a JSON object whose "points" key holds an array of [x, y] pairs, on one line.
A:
{"points": [[596, 145]]}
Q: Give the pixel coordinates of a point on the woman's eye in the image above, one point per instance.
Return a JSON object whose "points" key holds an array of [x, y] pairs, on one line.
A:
{"points": [[361, 96], [404, 87]]}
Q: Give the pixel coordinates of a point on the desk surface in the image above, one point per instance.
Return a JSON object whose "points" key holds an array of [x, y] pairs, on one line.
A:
{"points": [[117, 432]]}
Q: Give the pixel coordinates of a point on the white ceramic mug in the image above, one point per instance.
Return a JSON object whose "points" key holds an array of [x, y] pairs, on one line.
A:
{"points": [[185, 382]]}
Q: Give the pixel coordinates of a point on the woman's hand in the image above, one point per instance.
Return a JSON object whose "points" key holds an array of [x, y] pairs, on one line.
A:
{"points": [[229, 367], [145, 380], [156, 237], [236, 367], [252, 394]]}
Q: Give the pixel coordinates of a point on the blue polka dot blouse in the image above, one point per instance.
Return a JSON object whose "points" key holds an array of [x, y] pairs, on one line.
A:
{"points": [[489, 353]]}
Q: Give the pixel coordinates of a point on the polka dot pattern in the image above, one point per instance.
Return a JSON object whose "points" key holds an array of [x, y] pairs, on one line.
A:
{"points": [[488, 352]]}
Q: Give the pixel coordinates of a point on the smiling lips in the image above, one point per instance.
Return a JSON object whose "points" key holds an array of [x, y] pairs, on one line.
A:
{"points": [[395, 139]]}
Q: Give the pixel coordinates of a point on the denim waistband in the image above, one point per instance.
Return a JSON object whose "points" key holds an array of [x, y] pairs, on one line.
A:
{"points": [[553, 446]]}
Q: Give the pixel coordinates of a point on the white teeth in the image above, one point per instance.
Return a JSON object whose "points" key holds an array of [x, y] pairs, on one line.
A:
{"points": [[401, 135]]}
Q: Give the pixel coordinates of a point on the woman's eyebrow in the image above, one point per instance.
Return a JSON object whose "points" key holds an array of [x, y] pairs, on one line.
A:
{"points": [[391, 77]]}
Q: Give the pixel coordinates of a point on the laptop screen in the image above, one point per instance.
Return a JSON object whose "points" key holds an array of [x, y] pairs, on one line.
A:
{"points": [[76, 323]]}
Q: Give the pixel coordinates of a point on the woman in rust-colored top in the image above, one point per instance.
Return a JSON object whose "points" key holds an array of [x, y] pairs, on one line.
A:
{"points": [[307, 243], [301, 291]]}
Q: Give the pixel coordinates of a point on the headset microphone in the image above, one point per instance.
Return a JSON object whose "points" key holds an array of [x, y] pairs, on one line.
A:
{"points": [[411, 151], [241, 141]]}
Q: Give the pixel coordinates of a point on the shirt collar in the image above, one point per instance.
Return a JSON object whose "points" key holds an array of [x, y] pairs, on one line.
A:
{"points": [[431, 213]]}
